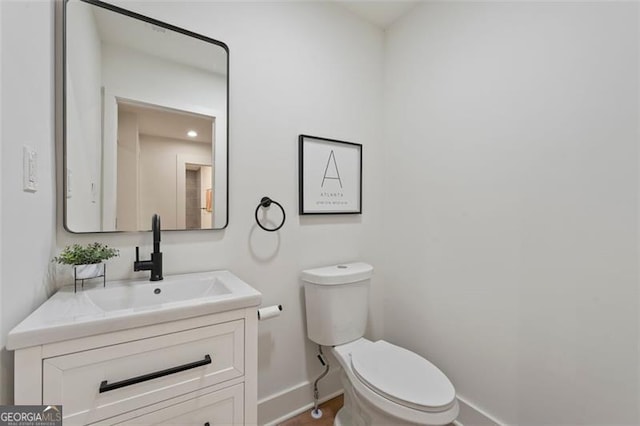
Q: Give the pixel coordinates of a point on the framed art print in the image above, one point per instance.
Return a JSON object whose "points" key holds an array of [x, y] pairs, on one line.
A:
{"points": [[330, 176]]}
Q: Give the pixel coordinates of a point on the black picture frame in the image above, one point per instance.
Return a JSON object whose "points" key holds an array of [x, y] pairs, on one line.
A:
{"points": [[319, 200]]}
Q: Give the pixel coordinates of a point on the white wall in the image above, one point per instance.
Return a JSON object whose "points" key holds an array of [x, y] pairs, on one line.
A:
{"points": [[289, 75], [512, 164], [84, 118], [27, 222], [3, 372], [638, 207], [158, 171]]}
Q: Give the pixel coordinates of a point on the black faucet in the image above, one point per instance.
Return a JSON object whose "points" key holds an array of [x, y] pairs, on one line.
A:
{"points": [[155, 264]]}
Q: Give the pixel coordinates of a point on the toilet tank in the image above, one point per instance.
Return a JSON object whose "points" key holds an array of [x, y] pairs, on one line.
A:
{"points": [[337, 302]]}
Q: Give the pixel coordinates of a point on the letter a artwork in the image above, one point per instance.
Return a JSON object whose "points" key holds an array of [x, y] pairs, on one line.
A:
{"points": [[333, 173]]}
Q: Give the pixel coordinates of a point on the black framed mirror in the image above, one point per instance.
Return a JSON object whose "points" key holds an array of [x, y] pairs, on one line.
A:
{"points": [[145, 122]]}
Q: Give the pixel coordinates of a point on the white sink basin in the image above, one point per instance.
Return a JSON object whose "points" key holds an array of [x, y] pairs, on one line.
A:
{"points": [[129, 304], [157, 293]]}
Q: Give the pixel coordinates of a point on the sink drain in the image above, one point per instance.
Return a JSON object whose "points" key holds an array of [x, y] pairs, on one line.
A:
{"points": [[157, 291]]}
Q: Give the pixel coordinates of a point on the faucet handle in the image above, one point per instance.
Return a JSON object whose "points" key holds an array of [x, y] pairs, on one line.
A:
{"points": [[137, 254]]}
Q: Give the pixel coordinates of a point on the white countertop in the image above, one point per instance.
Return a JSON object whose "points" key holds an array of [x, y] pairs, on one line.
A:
{"points": [[68, 315]]}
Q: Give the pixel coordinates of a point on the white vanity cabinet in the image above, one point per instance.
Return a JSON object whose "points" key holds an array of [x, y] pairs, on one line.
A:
{"points": [[194, 371]]}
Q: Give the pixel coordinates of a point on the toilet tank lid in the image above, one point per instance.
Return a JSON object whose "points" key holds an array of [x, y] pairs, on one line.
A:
{"points": [[338, 274]]}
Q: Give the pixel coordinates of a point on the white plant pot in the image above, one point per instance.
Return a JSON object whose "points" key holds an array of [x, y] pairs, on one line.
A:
{"points": [[93, 270]]}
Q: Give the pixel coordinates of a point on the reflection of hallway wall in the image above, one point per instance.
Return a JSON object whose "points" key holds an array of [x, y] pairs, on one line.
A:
{"points": [[84, 131], [193, 199], [127, 196], [158, 189]]}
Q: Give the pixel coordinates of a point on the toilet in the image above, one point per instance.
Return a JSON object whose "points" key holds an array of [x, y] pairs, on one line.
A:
{"points": [[384, 384]]}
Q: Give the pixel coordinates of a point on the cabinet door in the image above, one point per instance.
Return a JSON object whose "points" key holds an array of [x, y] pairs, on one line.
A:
{"points": [[224, 407], [104, 382]]}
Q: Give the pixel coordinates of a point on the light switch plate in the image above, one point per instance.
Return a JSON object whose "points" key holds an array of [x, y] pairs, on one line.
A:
{"points": [[29, 169], [68, 183], [94, 193]]}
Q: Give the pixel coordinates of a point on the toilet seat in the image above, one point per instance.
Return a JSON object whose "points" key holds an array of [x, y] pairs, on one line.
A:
{"points": [[403, 377], [372, 402]]}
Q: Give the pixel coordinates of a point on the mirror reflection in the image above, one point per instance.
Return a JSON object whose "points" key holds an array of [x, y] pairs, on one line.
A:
{"points": [[145, 123]]}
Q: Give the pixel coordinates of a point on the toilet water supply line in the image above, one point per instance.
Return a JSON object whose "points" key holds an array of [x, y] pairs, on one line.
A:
{"points": [[316, 413]]}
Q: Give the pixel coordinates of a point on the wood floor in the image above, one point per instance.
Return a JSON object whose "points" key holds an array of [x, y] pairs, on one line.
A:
{"points": [[329, 410]]}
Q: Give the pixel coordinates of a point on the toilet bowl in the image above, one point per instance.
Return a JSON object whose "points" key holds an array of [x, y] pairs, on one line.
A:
{"points": [[388, 385], [384, 384]]}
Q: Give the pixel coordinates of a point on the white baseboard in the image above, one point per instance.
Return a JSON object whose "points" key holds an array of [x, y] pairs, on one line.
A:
{"points": [[281, 406], [471, 415]]}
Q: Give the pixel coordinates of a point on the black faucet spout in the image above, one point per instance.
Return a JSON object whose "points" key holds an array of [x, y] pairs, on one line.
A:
{"points": [[155, 227], [155, 264]]}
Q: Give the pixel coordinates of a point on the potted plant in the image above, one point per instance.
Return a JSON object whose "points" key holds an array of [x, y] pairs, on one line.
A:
{"points": [[88, 261]]}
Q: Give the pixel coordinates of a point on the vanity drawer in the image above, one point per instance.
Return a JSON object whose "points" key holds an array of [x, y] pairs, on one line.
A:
{"points": [[104, 382], [224, 407]]}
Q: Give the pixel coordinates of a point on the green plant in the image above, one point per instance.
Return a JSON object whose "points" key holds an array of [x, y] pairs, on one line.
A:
{"points": [[85, 255]]}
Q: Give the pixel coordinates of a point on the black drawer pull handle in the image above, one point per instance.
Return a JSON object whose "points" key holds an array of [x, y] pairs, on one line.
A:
{"points": [[106, 387]]}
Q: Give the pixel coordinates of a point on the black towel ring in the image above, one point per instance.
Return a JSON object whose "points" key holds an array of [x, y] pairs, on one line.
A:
{"points": [[266, 202]]}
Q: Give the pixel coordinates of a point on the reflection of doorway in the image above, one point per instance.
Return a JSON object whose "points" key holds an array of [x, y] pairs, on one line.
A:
{"points": [[192, 198], [198, 197], [201, 166], [206, 197], [154, 146]]}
